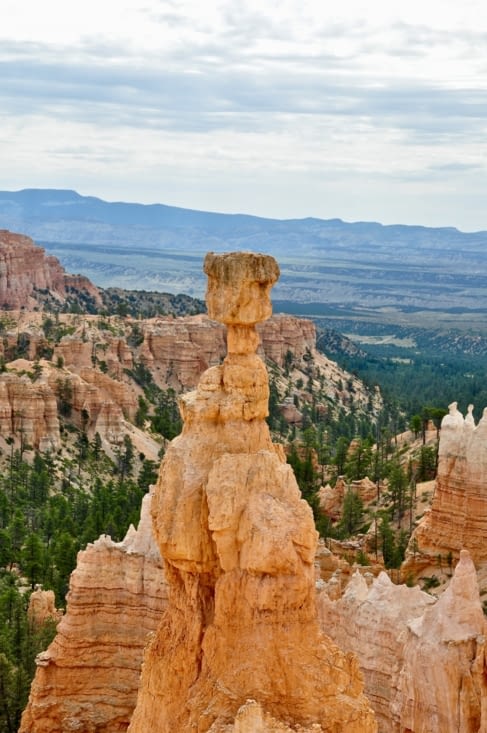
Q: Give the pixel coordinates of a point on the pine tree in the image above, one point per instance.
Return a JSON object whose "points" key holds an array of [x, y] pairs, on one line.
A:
{"points": [[33, 559]]}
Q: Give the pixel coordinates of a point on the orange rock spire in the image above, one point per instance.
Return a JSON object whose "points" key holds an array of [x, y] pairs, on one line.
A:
{"points": [[239, 647], [458, 516]]}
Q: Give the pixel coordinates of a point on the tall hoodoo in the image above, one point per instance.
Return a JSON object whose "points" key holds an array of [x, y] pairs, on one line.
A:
{"points": [[238, 543], [458, 516]]}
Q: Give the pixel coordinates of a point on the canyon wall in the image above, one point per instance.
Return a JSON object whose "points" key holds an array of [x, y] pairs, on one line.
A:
{"points": [[29, 410], [87, 679], [25, 268], [183, 348]]}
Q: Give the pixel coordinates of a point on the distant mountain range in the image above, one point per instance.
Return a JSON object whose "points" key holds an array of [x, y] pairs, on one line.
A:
{"points": [[363, 270]]}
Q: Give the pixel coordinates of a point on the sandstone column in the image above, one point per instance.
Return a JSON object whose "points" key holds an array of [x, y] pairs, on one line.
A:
{"points": [[238, 543]]}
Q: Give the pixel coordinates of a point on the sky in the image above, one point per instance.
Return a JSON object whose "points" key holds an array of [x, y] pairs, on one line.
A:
{"points": [[370, 111]]}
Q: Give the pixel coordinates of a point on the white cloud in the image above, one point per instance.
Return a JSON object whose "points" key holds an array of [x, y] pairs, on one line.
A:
{"points": [[280, 108]]}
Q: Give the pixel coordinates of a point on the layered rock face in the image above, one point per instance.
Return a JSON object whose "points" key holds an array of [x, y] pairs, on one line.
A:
{"points": [[24, 268], [281, 334], [448, 694], [105, 400], [29, 410], [42, 608], [185, 347], [239, 648], [181, 349], [87, 679], [423, 660], [458, 515]]}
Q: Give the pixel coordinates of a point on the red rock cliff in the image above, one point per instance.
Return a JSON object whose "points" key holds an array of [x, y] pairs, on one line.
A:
{"points": [[25, 268]]}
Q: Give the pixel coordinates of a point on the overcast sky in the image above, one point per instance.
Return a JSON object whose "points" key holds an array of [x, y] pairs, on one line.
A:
{"points": [[289, 108]]}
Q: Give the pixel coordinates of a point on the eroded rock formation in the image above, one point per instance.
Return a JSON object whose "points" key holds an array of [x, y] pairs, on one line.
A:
{"points": [[29, 410], [25, 268], [282, 334], [442, 686], [185, 347], [87, 680], [239, 646], [180, 349], [42, 608], [458, 516], [331, 498], [423, 660]]}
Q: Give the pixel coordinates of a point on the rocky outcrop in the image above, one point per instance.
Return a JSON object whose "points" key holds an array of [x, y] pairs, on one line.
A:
{"points": [[371, 623], [87, 679], [94, 394], [458, 516], [239, 646], [81, 284], [28, 411], [25, 268], [423, 660], [181, 349], [442, 686], [42, 608], [282, 334], [118, 357], [74, 352], [106, 389], [331, 497], [185, 347]]}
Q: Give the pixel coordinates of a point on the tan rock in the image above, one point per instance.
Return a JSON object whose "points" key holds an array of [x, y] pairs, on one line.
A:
{"points": [[442, 686], [423, 660], [28, 410], [239, 544], [180, 349], [331, 498], [281, 334], [105, 401], [290, 412], [74, 352], [110, 390], [118, 357], [370, 623], [42, 607], [87, 679], [458, 516], [239, 285], [109, 422], [365, 488]]}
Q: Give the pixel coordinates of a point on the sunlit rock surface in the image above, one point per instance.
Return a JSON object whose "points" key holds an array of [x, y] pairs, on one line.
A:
{"points": [[239, 546], [87, 680], [423, 659], [458, 516]]}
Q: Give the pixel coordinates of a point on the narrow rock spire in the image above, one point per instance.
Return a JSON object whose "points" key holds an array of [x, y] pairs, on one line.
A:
{"points": [[239, 543]]}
